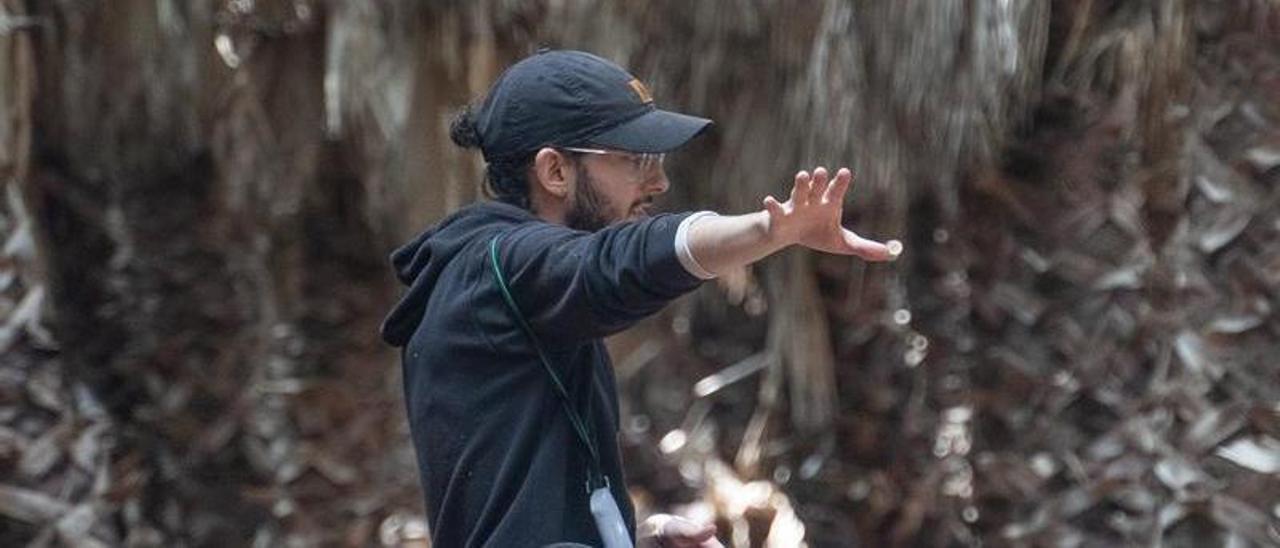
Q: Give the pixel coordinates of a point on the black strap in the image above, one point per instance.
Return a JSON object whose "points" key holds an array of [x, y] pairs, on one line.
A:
{"points": [[581, 428]]}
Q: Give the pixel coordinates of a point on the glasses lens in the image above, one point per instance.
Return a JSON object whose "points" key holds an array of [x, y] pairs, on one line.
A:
{"points": [[641, 162]]}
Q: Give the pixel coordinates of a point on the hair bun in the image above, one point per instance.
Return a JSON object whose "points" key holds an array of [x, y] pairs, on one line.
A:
{"points": [[463, 131]]}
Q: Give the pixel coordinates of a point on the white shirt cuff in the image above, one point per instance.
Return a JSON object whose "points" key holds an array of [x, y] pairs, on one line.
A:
{"points": [[682, 245]]}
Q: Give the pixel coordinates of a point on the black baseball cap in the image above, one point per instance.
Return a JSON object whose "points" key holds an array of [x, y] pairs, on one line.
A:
{"points": [[574, 98]]}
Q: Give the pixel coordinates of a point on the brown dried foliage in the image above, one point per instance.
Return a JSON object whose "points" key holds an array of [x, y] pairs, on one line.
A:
{"points": [[1076, 349]]}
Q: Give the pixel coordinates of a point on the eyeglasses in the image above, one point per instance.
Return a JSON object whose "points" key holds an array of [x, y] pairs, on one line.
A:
{"points": [[642, 162]]}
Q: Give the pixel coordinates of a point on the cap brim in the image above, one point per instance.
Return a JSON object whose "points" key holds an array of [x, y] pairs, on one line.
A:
{"points": [[654, 131]]}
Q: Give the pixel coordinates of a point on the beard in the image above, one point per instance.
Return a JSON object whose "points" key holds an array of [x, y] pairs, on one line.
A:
{"points": [[589, 210]]}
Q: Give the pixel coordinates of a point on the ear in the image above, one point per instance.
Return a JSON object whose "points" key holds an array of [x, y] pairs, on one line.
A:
{"points": [[553, 172]]}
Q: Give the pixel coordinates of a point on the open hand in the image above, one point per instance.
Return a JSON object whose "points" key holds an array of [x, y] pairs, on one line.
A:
{"points": [[811, 218], [668, 531]]}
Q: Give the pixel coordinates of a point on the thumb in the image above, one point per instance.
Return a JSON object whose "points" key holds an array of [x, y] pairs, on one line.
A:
{"points": [[870, 250], [683, 529]]}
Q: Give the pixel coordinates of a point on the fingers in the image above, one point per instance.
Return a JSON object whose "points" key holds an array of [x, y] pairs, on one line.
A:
{"points": [[839, 186], [818, 186], [775, 208], [800, 190]]}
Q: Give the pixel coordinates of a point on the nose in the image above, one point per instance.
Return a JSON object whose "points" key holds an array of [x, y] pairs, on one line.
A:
{"points": [[660, 183]]}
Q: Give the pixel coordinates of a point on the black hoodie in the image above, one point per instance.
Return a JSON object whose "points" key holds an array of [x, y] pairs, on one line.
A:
{"points": [[498, 459]]}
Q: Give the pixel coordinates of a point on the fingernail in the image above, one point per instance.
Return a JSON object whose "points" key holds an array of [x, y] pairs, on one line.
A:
{"points": [[895, 248]]}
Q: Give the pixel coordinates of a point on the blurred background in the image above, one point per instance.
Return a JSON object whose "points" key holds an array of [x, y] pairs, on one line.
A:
{"points": [[1077, 348]]}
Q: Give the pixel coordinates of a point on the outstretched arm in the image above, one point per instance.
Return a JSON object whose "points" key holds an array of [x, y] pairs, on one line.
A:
{"points": [[810, 218]]}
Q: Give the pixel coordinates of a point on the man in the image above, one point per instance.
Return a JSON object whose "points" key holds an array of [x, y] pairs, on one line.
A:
{"points": [[510, 392]]}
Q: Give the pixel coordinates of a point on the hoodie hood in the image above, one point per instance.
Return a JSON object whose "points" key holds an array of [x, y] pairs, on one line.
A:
{"points": [[419, 263]]}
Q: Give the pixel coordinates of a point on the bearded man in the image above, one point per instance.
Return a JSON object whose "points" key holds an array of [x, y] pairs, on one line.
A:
{"points": [[509, 389]]}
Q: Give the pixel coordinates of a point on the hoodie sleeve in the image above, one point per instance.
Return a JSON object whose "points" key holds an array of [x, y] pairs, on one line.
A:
{"points": [[573, 285]]}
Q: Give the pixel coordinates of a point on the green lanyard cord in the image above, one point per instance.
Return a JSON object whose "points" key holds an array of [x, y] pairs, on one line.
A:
{"points": [[565, 401]]}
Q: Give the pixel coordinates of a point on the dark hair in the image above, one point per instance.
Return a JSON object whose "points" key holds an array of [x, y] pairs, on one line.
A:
{"points": [[506, 175]]}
